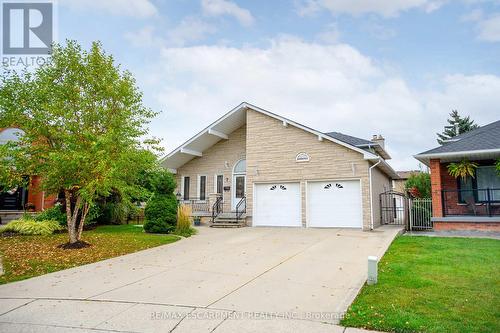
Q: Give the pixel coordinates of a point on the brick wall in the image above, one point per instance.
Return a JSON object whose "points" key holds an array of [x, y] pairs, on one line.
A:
{"points": [[479, 226], [436, 187]]}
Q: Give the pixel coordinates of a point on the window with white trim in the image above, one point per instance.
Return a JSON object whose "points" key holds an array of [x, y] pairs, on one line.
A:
{"points": [[202, 187], [185, 187]]}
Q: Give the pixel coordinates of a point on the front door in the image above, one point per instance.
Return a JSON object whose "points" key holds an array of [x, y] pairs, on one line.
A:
{"points": [[239, 190]]}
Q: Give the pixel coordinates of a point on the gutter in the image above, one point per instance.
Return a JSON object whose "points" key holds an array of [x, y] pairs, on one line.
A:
{"points": [[371, 192], [424, 158]]}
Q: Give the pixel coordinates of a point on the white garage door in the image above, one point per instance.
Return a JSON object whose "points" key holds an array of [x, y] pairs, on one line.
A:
{"points": [[334, 204], [277, 204]]}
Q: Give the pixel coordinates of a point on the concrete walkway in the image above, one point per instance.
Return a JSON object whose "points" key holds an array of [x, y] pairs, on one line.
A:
{"points": [[221, 280], [456, 233]]}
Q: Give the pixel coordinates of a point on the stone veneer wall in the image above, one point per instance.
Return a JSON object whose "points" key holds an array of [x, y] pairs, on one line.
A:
{"points": [[271, 152], [213, 162]]}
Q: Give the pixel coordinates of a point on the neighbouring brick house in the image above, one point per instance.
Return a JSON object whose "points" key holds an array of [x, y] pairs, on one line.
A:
{"points": [[15, 200], [255, 167], [474, 203], [398, 185]]}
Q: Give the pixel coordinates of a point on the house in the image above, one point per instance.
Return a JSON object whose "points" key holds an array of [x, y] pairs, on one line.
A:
{"points": [[398, 185], [262, 169], [14, 200], [472, 203]]}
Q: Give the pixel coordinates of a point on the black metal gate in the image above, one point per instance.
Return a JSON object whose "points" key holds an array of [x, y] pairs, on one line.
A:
{"points": [[393, 208]]}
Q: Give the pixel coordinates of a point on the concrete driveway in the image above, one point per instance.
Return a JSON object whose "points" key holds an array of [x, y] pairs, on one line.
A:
{"points": [[221, 280]]}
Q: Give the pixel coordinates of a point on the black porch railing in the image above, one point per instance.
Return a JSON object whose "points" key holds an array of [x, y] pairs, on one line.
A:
{"points": [[241, 208], [471, 202], [217, 208], [196, 204]]}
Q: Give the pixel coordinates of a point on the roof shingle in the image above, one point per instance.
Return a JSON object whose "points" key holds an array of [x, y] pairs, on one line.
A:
{"points": [[483, 138]]}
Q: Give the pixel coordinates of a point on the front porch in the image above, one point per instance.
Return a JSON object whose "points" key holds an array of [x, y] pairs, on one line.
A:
{"points": [[211, 211], [472, 203]]}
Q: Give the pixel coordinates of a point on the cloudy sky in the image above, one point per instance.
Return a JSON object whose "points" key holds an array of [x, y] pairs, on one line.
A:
{"points": [[390, 67]]}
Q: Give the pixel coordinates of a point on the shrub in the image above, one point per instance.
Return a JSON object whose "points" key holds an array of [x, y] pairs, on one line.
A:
{"points": [[161, 214], [32, 227], [419, 185], [183, 227], [164, 182], [115, 213], [55, 214]]}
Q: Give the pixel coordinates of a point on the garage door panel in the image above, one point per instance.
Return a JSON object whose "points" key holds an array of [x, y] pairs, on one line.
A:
{"points": [[277, 204], [334, 204]]}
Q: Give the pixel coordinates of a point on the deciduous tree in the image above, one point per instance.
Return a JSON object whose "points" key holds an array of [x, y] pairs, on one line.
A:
{"points": [[84, 123]]}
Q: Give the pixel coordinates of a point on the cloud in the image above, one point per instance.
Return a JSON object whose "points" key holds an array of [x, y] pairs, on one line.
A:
{"points": [[330, 35], [489, 29], [387, 8], [328, 87], [472, 16], [132, 8], [190, 29], [144, 37], [225, 7]]}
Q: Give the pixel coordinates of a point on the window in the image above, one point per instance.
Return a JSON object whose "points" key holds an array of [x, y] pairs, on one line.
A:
{"points": [[219, 184], [240, 187], [488, 178], [186, 188], [466, 192], [302, 157], [203, 187], [476, 189], [240, 167]]}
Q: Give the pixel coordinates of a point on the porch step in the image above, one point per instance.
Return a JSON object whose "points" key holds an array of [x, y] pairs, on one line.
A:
{"points": [[228, 224], [228, 220]]}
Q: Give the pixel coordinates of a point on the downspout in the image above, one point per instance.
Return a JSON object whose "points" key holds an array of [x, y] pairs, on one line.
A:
{"points": [[371, 194]]}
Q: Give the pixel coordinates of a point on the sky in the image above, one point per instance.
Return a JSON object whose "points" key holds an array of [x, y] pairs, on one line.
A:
{"points": [[390, 67]]}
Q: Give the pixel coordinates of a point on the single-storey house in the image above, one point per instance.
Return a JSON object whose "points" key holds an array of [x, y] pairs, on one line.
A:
{"points": [[472, 203], [257, 168]]}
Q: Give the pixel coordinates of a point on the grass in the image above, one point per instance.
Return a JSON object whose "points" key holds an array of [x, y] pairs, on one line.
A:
{"points": [[430, 284], [28, 256]]}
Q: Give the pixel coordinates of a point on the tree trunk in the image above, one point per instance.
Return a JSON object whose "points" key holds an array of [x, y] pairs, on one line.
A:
{"points": [[86, 208], [72, 216]]}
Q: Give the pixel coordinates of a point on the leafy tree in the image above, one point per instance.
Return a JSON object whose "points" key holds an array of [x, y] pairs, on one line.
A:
{"points": [[419, 185], [497, 166], [463, 124], [84, 125]]}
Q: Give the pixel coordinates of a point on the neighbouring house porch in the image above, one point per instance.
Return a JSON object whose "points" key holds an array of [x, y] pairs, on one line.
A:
{"points": [[472, 203]]}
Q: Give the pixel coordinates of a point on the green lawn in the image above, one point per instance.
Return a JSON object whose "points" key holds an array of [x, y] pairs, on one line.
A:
{"points": [[28, 256], [429, 284]]}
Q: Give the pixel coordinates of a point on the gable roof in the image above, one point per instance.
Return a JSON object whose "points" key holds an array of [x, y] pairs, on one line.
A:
{"points": [[361, 143], [483, 141], [352, 140], [233, 120]]}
